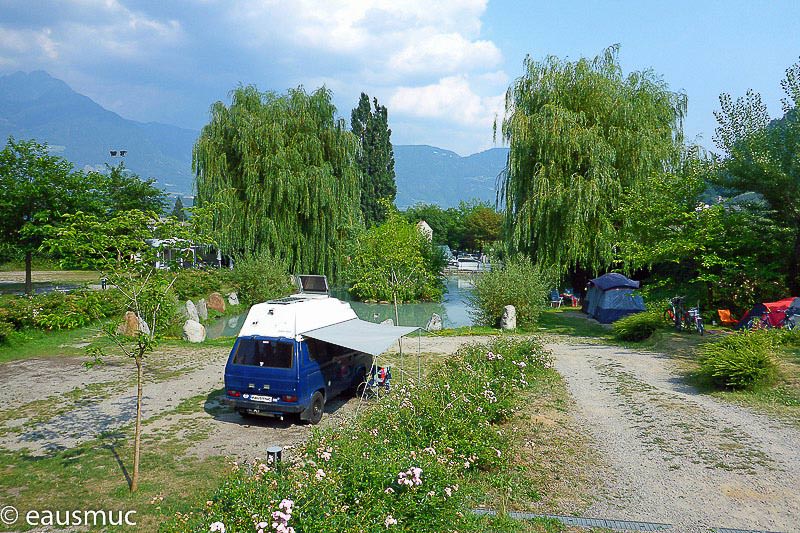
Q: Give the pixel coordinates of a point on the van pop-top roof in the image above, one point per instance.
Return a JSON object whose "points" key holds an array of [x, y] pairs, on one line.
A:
{"points": [[318, 316]]}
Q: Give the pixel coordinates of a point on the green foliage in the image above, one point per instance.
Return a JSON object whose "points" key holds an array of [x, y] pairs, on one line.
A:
{"points": [[283, 173], [760, 155], [6, 329], [90, 242], [349, 478], [261, 277], [57, 311], [191, 284], [393, 260], [580, 135], [122, 190], [638, 326], [739, 361], [519, 283], [375, 160], [178, 212], [36, 188], [473, 225]]}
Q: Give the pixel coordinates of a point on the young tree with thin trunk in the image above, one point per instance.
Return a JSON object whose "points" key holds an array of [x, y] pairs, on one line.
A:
{"points": [[148, 297]]}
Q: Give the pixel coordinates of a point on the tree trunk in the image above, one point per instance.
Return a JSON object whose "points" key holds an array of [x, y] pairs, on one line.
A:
{"points": [[138, 431], [28, 269]]}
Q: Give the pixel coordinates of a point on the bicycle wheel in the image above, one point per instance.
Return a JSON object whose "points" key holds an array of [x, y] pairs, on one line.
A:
{"points": [[700, 326]]}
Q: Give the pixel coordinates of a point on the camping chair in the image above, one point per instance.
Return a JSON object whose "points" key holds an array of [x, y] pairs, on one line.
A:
{"points": [[574, 300], [555, 298], [726, 319]]}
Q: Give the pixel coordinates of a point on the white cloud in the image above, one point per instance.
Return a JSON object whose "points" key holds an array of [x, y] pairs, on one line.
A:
{"points": [[451, 99], [445, 54], [386, 38]]}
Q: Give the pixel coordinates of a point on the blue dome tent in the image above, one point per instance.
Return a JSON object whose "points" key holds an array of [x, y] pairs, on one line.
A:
{"points": [[611, 297]]}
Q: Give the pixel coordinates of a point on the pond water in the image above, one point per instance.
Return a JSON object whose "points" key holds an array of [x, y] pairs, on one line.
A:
{"points": [[454, 310], [39, 287]]}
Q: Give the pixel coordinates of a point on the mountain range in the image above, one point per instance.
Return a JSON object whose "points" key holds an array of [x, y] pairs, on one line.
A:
{"points": [[36, 105]]}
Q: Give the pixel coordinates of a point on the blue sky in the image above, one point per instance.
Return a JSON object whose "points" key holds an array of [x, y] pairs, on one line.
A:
{"points": [[441, 67]]}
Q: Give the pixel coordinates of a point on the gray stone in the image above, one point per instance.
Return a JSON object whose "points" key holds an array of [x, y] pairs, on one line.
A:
{"points": [[191, 311], [509, 320], [202, 309], [388, 322], [233, 299], [194, 331], [435, 323]]}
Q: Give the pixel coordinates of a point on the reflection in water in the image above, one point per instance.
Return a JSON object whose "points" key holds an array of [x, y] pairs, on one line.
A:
{"points": [[454, 310], [39, 287]]}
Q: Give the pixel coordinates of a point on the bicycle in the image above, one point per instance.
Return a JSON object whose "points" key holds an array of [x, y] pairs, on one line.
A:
{"points": [[683, 318]]}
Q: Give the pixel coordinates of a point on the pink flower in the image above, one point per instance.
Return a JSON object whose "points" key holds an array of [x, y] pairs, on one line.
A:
{"points": [[390, 521], [217, 526], [320, 474]]}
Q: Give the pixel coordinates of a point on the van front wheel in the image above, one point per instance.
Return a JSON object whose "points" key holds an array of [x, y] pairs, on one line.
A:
{"points": [[315, 408]]}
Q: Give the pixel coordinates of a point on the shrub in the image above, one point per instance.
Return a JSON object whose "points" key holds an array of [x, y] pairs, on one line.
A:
{"points": [[56, 310], [739, 361], [394, 259], [6, 329], [259, 278], [518, 283], [191, 284], [638, 326], [405, 458]]}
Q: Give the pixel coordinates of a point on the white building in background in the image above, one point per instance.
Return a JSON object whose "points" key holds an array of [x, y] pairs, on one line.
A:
{"points": [[425, 229]]}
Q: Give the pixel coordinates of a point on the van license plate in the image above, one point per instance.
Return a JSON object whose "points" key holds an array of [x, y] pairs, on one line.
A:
{"points": [[261, 398]]}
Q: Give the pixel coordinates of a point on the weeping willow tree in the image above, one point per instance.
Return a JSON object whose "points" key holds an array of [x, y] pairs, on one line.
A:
{"points": [[283, 170], [581, 136]]}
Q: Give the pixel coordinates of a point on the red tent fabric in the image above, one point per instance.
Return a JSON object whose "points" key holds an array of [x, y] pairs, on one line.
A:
{"points": [[774, 312], [777, 310]]}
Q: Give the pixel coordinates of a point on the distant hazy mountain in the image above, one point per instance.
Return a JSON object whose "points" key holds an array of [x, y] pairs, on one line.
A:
{"points": [[38, 106], [437, 176]]}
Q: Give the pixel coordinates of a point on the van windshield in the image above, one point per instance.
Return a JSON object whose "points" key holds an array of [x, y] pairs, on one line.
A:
{"points": [[263, 352]]}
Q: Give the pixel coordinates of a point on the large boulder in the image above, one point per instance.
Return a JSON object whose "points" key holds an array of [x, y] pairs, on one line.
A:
{"points": [[191, 311], [202, 309], [435, 323], [216, 302], [233, 299], [133, 324], [194, 331], [509, 320]]}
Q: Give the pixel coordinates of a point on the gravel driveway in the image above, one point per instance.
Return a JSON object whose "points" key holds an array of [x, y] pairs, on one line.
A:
{"points": [[676, 456]]}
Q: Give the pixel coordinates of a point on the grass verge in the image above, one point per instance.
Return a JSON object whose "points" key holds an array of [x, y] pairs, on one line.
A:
{"points": [[415, 456]]}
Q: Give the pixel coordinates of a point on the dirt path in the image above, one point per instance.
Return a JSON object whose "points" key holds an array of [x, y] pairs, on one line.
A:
{"points": [[678, 457], [53, 404]]}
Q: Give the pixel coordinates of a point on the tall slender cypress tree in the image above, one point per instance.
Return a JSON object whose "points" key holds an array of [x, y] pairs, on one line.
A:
{"points": [[284, 171], [376, 159]]}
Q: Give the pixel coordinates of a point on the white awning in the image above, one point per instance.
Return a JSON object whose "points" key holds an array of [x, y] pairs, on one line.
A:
{"points": [[360, 335]]}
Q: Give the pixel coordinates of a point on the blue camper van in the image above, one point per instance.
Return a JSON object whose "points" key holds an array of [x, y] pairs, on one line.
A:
{"points": [[294, 354], [276, 376]]}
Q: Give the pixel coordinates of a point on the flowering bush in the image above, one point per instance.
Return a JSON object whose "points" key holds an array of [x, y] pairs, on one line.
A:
{"points": [[401, 465], [56, 310]]}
